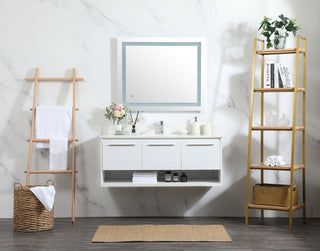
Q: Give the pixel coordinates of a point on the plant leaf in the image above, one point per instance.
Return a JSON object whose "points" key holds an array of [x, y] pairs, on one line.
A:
{"points": [[266, 34]]}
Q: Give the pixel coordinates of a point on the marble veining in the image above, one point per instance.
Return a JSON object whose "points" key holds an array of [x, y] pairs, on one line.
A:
{"points": [[98, 13]]}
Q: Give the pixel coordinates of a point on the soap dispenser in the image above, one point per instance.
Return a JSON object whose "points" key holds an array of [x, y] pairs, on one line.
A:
{"points": [[195, 127]]}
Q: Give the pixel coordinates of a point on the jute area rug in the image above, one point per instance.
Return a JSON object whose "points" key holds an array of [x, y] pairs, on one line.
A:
{"points": [[111, 233]]}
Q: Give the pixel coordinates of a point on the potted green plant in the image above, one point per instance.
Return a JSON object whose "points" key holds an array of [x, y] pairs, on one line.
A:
{"points": [[276, 31]]}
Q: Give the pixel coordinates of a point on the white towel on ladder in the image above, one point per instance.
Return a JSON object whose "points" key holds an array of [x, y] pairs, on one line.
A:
{"points": [[58, 153], [54, 123]]}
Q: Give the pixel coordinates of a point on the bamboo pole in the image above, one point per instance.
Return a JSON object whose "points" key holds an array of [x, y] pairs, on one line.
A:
{"points": [[73, 144], [32, 124], [293, 133], [51, 171], [54, 79], [48, 140], [304, 133], [261, 123], [250, 131], [277, 208]]}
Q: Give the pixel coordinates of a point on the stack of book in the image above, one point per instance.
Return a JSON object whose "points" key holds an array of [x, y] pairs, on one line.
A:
{"points": [[276, 75], [145, 177]]}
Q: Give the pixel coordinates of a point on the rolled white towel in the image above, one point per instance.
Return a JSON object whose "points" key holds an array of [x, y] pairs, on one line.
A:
{"points": [[269, 161], [274, 161]]}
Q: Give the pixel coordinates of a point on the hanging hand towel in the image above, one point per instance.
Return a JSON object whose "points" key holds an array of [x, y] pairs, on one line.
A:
{"points": [[52, 122], [45, 195], [58, 153]]}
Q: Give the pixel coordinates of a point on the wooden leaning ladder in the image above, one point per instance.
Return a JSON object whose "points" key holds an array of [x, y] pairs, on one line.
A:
{"points": [[73, 171]]}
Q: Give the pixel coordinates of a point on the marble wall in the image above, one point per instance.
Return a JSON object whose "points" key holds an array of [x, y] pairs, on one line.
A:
{"points": [[57, 35]]}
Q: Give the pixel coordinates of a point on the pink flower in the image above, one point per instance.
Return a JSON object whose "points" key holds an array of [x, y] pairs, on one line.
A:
{"points": [[121, 106], [116, 108], [118, 114]]}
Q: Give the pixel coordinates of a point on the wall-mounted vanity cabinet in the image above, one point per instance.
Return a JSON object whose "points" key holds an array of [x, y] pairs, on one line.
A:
{"points": [[199, 157]]}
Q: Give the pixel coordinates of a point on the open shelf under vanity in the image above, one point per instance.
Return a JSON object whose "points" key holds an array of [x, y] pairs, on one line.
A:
{"points": [[196, 178]]}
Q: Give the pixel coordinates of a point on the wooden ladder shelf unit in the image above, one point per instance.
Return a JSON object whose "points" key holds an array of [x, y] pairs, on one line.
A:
{"points": [[32, 140], [292, 167]]}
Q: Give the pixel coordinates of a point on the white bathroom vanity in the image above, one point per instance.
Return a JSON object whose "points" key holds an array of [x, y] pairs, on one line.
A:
{"points": [[198, 156]]}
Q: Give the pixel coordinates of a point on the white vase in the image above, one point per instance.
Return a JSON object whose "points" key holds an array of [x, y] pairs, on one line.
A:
{"points": [[284, 121], [282, 42], [271, 119]]}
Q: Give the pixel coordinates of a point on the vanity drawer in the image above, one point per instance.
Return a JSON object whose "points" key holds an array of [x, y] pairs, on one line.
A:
{"points": [[201, 154], [161, 155], [121, 155]]}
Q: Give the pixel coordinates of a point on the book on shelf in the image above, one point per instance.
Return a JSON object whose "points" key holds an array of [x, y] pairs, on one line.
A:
{"points": [[276, 75], [267, 75], [280, 79], [288, 80]]}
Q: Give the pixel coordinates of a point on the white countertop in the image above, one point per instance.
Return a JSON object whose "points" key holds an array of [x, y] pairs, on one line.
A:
{"points": [[160, 136]]}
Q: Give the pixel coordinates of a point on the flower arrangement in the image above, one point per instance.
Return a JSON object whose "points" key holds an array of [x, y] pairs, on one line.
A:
{"points": [[116, 113]]}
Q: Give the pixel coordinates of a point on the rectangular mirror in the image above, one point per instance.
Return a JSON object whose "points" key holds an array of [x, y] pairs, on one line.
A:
{"points": [[161, 74]]}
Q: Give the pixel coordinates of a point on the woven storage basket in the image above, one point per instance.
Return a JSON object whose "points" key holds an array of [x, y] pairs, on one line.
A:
{"points": [[29, 213], [274, 195]]}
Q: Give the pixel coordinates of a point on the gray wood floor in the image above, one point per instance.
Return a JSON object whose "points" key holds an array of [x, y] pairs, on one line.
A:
{"points": [[273, 234]]}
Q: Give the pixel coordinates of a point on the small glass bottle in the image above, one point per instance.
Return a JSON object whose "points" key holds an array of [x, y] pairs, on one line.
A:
{"points": [[284, 121], [175, 177], [133, 130], [271, 119], [183, 177], [167, 176]]}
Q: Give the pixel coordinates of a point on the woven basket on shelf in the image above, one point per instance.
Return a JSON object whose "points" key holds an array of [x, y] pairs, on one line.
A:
{"points": [[274, 195], [29, 214]]}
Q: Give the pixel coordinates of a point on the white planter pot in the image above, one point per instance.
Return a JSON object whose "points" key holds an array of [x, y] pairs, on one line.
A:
{"points": [[282, 42]]}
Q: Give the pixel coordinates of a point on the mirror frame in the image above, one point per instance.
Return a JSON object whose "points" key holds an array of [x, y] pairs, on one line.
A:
{"points": [[121, 74]]}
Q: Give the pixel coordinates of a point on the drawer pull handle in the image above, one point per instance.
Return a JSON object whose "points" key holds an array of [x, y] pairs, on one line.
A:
{"points": [[200, 144], [160, 144], [121, 144]]}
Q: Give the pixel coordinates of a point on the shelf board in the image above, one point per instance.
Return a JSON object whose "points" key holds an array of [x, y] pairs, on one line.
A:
{"points": [[54, 79], [51, 171], [286, 167], [266, 207], [48, 140], [276, 128], [278, 90], [160, 184], [279, 51]]}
